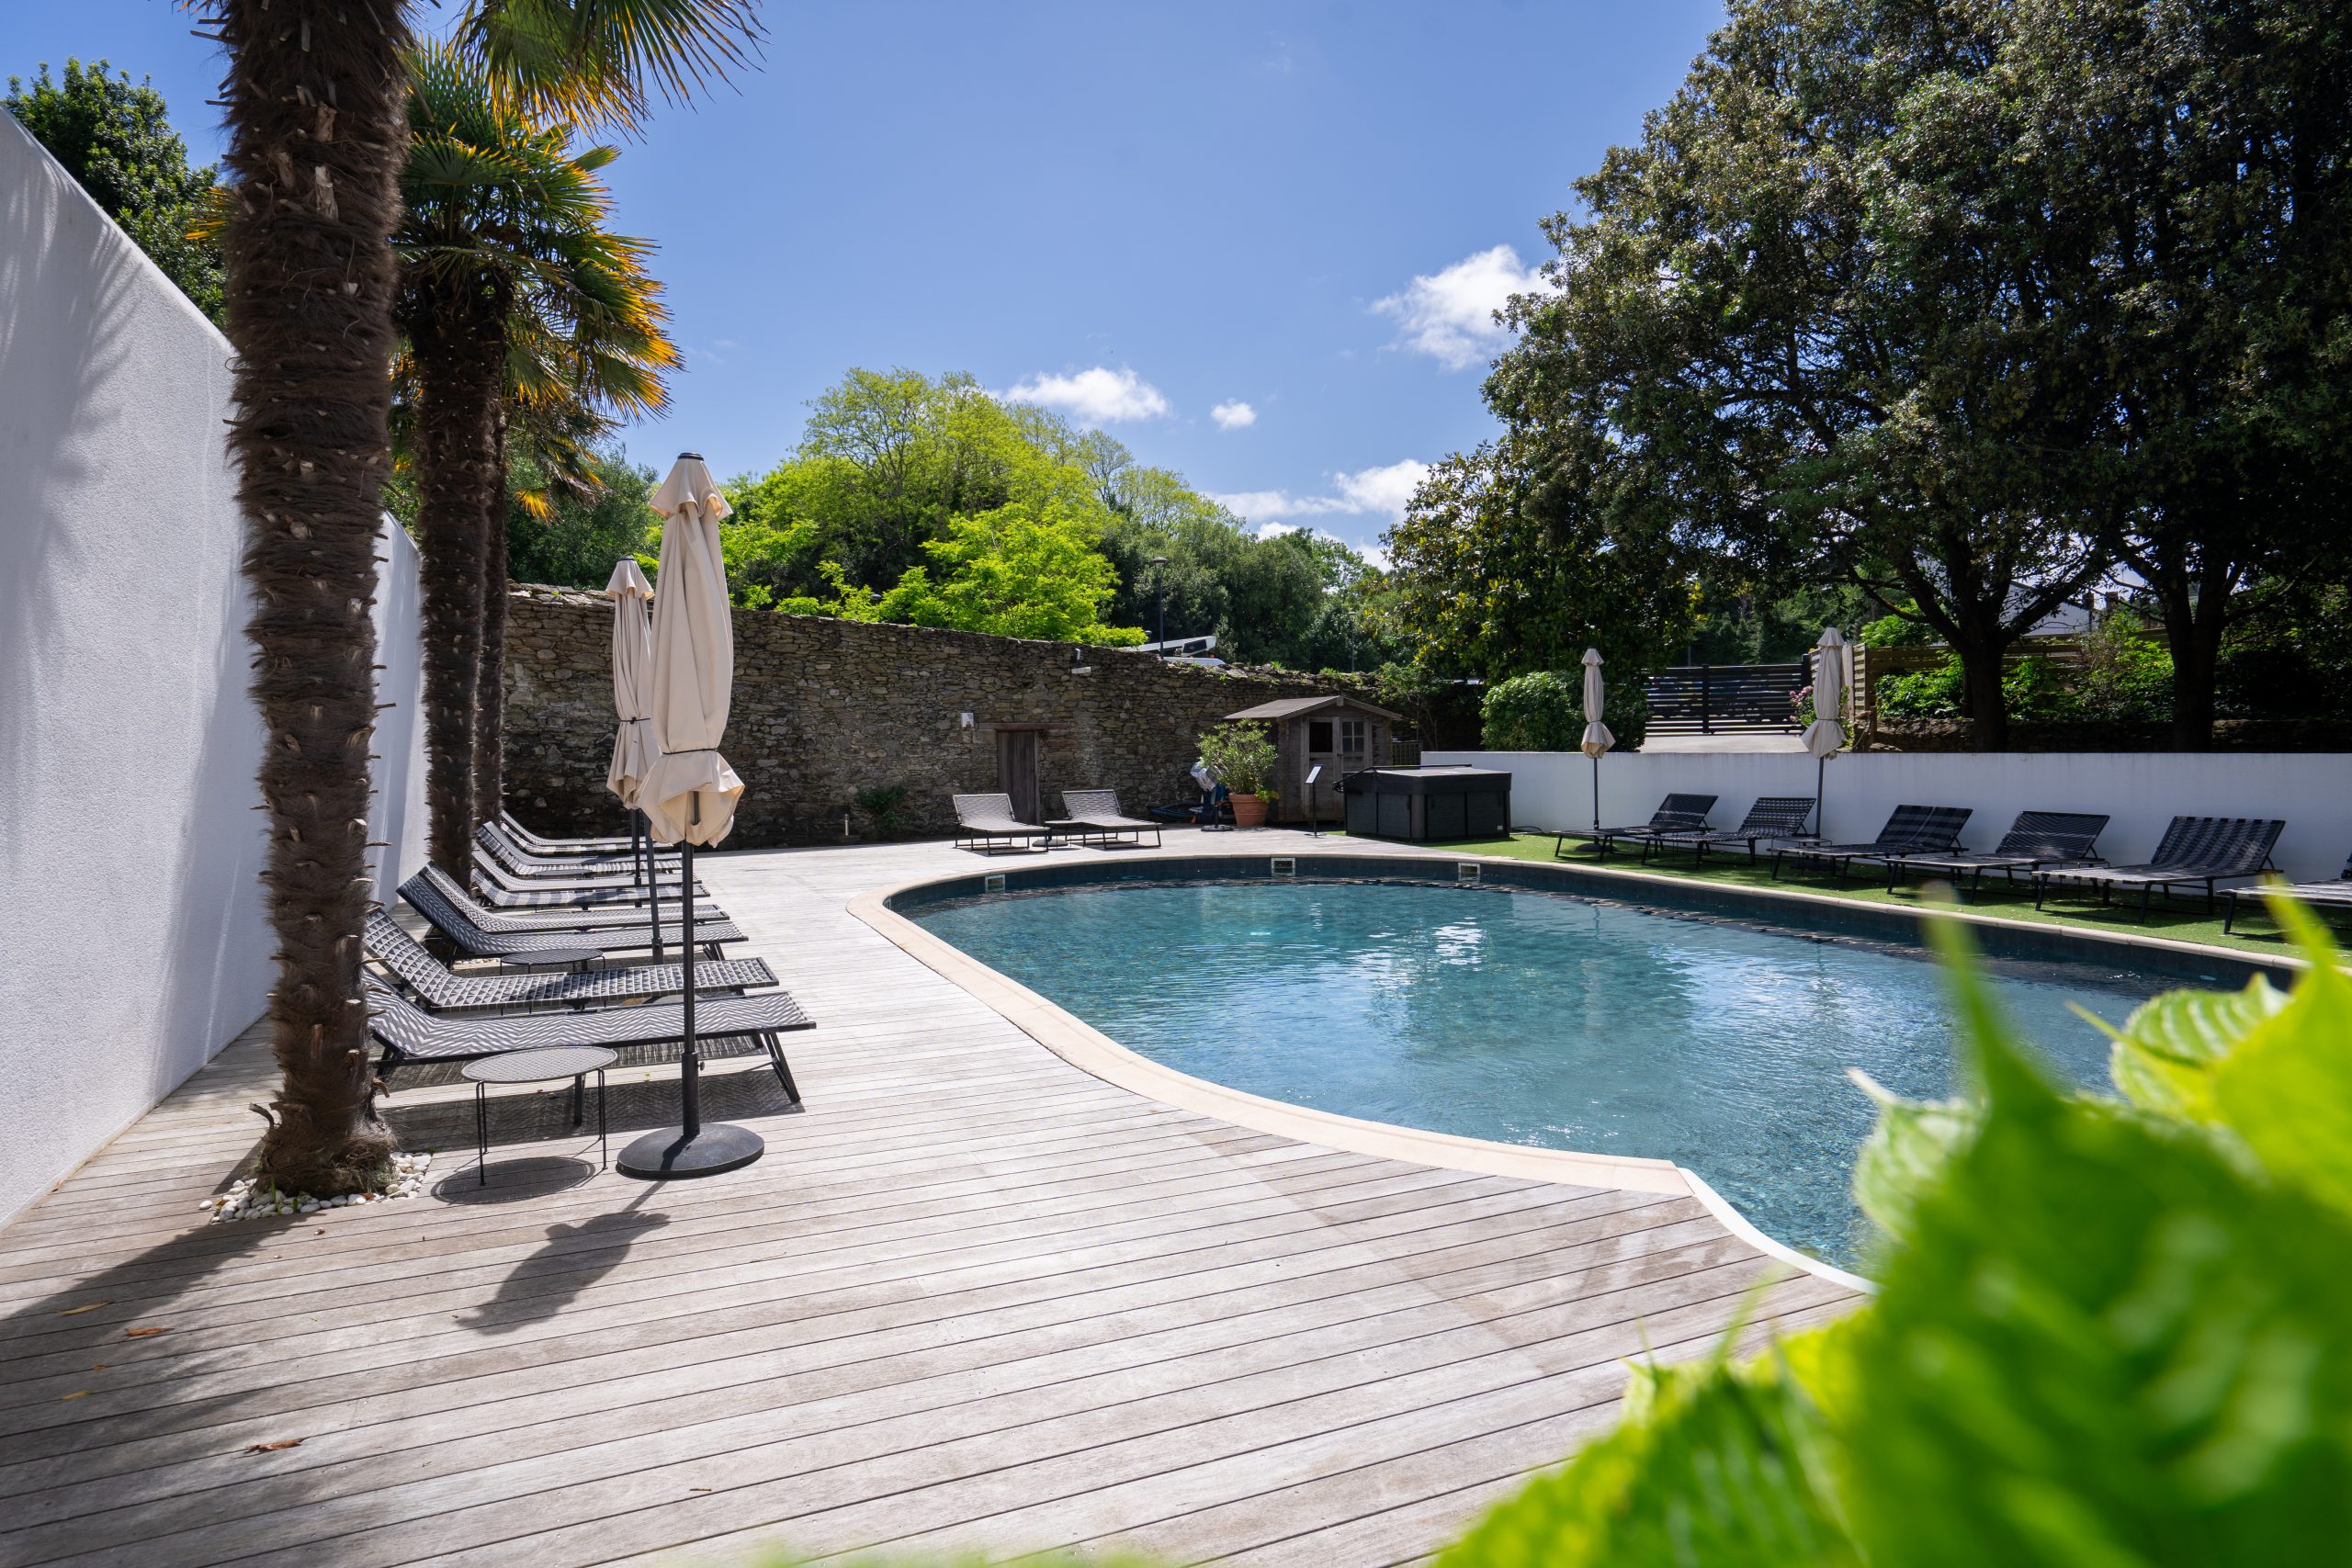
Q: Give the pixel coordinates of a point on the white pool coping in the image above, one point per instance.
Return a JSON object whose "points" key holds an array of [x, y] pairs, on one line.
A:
{"points": [[1091, 1051]]}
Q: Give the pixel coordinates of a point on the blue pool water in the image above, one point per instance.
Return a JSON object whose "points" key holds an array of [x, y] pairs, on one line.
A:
{"points": [[1532, 1018]]}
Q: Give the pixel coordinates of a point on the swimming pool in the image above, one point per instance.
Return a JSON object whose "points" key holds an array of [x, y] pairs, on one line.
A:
{"points": [[1532, 1018]]}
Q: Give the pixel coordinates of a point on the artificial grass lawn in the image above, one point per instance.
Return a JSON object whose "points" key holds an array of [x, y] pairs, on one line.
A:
{"points": [[2185, 921]]}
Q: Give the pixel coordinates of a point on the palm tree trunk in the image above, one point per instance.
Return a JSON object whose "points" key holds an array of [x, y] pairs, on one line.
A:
{"points": [[489, 694], [314, 104], [457, 337]]}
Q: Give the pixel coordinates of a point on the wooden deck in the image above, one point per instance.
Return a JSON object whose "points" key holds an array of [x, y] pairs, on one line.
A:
{"points": [[972, 1296]]}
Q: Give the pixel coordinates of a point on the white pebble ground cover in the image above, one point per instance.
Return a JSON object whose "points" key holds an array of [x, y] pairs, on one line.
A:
{"points": [[241, 1202]]}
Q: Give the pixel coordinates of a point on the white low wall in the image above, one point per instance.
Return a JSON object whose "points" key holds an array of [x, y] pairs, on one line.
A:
{"points": [[2142, 791], [133, 944]]}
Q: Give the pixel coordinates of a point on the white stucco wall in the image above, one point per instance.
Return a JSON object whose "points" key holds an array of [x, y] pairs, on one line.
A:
{"points": [[2142, 791], [133, 944]]}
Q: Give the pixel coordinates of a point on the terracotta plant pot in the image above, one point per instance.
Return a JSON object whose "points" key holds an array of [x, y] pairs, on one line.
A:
{"points": [[1248, 810]]}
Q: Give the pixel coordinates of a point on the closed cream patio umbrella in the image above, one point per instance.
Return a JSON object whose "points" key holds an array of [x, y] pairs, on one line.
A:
{"points": [[633, 747], [689, 794], [1826, 737], [1596, 739]]}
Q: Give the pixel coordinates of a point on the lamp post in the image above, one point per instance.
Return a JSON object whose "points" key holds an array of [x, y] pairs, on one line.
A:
{"points": [[1160, 591]]}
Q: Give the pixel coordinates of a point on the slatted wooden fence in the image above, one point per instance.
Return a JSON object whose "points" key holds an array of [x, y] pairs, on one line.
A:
{"points": [[1715, 699]]}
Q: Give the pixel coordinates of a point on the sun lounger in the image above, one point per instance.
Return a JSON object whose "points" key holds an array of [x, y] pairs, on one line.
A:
{"points": [[500, 891], [477, 932], [1911, 829], [1774, 818], [2336, 895], [2036, 839], [2194, 850], [547, 846], [984, 821], [521, 861], [1097, 813], [1676, 814], [566, 919], [443, 989], [408, 1034]]}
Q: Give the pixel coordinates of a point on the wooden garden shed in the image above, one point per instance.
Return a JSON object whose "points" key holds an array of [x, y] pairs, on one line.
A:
{"points": [[1338, 734]]}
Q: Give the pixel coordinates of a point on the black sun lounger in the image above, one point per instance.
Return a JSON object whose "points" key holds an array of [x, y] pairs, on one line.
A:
{"points": [[499, 892], [2194, 850], [1774, 818], [443, 989], [409, 1034], [984, 821], [2336, 895], [1911, 829], [547, 846], [2035, 841], [477, 932], [1097, 813], [1675, 814], [563, 919], [617, 865], [502, 889]]}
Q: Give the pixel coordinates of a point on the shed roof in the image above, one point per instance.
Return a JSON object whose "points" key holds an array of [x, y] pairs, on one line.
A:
{"points": [[1293, 707]]}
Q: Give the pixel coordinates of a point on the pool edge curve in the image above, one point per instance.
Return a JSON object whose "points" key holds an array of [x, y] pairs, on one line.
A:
{"points": [[1094, 1052]]}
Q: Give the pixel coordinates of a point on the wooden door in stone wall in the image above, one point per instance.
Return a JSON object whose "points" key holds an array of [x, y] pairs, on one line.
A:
{"points": [[1016, 772]]}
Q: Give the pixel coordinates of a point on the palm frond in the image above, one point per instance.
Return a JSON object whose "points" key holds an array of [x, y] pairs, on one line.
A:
{"points": [[601, 62]]}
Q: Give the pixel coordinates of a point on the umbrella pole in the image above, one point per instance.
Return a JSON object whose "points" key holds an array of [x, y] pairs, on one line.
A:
{"points": [[1820, 817], [1595, 798], [691, 1148], [654, 887], [690, 1064]]}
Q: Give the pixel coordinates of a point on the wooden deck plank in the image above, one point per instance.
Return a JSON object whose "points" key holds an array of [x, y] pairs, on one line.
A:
{"points": [[971, 1296]]}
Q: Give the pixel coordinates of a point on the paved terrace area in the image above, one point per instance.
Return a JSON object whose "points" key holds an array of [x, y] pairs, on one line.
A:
{"points": [[972, 1297]]}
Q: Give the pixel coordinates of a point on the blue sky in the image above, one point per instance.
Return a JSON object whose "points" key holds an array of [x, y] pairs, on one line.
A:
{"points": [[1257, 243]]}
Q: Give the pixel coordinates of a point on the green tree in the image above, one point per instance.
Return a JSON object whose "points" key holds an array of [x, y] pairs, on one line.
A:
{"points": [[2172, 187], [117, 141], [1298, 599], [573, 541], [894, 463], [1754, 332], [1503, 566], [316, 106], [1018, 571]]}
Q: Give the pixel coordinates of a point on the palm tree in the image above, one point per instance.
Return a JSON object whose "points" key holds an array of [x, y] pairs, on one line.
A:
{"points": [[315, 104], [508, 280], [563, 395]]}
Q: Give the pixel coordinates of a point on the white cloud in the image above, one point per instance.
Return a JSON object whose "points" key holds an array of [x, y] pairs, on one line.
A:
{"points": [[1095, 396], [1450, 315], [1235, 415], [1380, 492], [1384, 491]]}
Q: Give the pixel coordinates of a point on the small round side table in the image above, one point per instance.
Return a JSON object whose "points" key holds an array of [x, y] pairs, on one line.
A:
{"points": [[544, 1065]]}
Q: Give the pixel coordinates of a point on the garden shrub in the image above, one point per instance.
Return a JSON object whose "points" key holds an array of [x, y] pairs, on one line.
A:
{"points": [[1545, 712], [2124, 677], [887, 806]]}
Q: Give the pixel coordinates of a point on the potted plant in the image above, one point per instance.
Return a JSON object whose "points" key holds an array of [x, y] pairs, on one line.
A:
{"points": [[1243, 758]]}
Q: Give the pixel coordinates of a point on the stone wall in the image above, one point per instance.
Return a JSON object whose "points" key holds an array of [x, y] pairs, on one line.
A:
{"points": [[825, 708]]}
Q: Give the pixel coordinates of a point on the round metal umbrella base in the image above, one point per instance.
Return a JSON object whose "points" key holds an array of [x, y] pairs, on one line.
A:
{"points": [[670, 1154]]}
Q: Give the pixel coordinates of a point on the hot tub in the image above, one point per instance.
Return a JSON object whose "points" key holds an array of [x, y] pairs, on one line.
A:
{"points": [[1428, 805]]}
